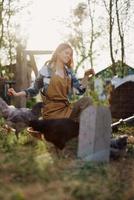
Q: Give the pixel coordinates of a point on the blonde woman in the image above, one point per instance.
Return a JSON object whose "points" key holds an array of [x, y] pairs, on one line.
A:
{"points": [[55, 82]]}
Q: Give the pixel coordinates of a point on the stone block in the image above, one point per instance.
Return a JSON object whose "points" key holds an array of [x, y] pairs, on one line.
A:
{"points": [[94, 134]]}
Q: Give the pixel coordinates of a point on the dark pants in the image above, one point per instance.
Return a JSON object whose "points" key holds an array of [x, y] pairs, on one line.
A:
{"points": [[79, 106]]}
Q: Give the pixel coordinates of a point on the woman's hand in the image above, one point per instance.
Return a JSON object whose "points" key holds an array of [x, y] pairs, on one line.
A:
{"points": [[89, 72], [11, 92]]}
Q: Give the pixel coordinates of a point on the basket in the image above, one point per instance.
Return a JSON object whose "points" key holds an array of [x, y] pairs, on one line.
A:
{"points": [[34, 133]]}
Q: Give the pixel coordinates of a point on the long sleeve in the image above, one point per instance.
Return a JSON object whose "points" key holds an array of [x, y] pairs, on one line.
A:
{"points": [[76, 83], [34, 89], [41, 82], [78, 86]]}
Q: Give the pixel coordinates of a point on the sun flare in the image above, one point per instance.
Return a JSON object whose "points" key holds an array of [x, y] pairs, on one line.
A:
{"points": [[45, 31]]}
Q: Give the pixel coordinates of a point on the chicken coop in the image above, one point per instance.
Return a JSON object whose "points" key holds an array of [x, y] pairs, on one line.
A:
{"points": [[122, 100]]}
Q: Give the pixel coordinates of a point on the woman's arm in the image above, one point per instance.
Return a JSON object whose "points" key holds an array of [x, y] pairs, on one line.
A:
{"points": [[12, 92], [42, 81], [34, 89], [89, 73], [81, 86], [31, 91]]}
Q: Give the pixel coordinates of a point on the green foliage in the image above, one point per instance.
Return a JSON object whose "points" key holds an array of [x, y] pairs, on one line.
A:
{"points": [[30, 169], [121, 71], [95, 97], [31, 102], [17, 196]]}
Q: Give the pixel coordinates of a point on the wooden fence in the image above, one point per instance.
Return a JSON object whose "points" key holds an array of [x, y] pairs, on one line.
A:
{"points": [[23, 71]]}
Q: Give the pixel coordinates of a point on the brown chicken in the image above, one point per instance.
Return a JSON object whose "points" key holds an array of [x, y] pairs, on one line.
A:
{"points": [[56, 131]]}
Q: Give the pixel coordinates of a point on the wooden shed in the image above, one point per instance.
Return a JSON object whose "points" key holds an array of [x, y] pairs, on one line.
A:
{"points": [[122, 100], [104, 78]]}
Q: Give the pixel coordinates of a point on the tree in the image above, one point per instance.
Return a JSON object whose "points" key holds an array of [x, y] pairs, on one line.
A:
{"points": [[122, 18], [9, 10], [92, 35], [84, 33], [76, 38], [118, 13]]}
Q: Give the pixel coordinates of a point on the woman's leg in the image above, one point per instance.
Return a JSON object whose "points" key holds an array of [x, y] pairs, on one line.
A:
{"points": [[79, 106]]}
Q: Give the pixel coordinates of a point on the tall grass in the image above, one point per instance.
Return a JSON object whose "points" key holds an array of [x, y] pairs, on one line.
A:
{"points": [[30, 169]]}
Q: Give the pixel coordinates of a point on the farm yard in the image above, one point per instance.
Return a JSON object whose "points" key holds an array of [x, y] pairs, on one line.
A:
{"points": [[31, 169], [66, 100]]}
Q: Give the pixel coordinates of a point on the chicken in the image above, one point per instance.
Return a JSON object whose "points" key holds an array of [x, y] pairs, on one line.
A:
{"points": [[56, 131], [18, 118]]}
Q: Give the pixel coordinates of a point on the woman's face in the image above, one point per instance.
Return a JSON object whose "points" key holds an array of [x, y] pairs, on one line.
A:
{"points": [[65, 56]]}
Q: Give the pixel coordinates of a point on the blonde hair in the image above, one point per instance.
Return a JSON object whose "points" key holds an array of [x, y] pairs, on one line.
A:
{"points": [[60, 48]]}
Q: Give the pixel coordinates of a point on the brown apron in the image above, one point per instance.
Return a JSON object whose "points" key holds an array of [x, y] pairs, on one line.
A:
{"points": [[56, 100]]}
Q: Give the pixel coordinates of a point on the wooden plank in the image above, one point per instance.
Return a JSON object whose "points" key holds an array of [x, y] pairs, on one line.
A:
{"points": [[38, 52], [33, 64]]}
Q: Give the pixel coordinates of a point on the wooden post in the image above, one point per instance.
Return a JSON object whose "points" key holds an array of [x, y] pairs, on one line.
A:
{"points": [[23, 71], [33, 64], [20, 76]]}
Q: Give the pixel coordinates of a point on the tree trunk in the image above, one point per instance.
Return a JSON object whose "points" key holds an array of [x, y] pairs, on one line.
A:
{"points": [[111, 22], [121, 35]]}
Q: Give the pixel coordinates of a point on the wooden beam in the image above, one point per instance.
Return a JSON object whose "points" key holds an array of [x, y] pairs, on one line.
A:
{"points": [[33, 64], [38, 52]]}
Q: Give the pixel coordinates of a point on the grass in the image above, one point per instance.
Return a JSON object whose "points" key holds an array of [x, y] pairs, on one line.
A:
{"points": [[30, 169]]}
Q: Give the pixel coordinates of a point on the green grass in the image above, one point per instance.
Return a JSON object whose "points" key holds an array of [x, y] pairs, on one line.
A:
{"points": [[30, 169]]}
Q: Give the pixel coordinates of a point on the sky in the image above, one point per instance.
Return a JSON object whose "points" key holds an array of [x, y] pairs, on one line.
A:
{"points": [[46, 30]]}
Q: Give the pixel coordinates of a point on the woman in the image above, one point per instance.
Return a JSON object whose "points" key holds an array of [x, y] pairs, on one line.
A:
{"points": [[55, 82]]}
